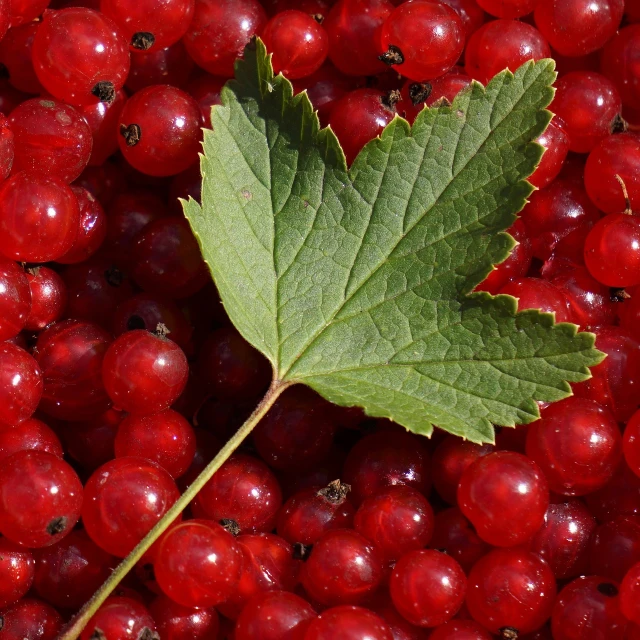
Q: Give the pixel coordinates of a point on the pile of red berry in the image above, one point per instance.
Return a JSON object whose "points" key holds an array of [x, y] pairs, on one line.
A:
{"points": [[120, 378]]}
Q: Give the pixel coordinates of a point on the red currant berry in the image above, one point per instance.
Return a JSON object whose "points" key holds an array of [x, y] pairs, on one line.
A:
{"points": [[15, 299], [120, 618], [469, 11], [40, 498], [175, 622], [32, 434], [511, 589], [631, 443], [508, 8], [17, 569], [353, 27], [614, 547], [577, 444], [578, 27], [620, 496], [70, 569], [588, 607], [39, 218], [274, 615], [556, 146], [619, 63], [144, 373], [160, 130], [219, 31], [342, 568], [453, 534], [243, 490], [535, 293], [166, 438], [427, 587], [630, 594], [460, 630], [359, 117], [55, 140], [617, 155], [30, 618], [385, 459], [23, 11], [563, 540], [16, 55], [198, 564], [501, 44], [348, 623], [505, 496], [171, 66], [124, 499], [20, 385], [80, 56], [422, 39], [450, 458], [149, 26], [299, 45]]}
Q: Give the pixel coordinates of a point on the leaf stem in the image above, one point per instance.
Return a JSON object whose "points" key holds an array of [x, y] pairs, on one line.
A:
{"points": [[75, 627]]}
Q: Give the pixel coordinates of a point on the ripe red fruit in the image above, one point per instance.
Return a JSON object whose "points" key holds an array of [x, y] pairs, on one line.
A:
{"points": [[20, 385], [17, 569], [120, 617]]}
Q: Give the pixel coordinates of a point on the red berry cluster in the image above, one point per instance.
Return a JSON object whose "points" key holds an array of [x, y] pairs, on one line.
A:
{"points": [[120, 378]]}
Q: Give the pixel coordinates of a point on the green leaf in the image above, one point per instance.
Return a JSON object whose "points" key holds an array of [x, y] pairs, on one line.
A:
{"points": [[358, 282]]}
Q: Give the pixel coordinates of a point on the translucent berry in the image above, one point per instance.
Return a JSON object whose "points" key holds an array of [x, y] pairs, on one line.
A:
{"points": [[120, 617], [629, 594], [144, 373], [32, 434], [505, 496], [17, 569], [299, 44], [39, 218], [508, 8], [123, 500], [20, 385], [55, 140], [348, 623], [198, 564], [535, 293], [160, 130], [16, 55], [40, 498], [427, 587], [31, 618], [556, 144], [15, 299], [219, 31], [619, 63], [342, 568], [511, 589], [176, 622], [422, 39], [614, 547], [578, 27], [103, 118], [80, 56]]}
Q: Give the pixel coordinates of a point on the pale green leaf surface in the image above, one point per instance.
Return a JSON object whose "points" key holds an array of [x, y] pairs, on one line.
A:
{"points": [[357, 283]]}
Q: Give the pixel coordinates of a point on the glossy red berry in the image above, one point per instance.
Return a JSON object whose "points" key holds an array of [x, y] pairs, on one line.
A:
{"points": [[31, 618], [55, 140], [422, 39], [175, 622], [80, 56], [70, 569], [505, 496], [274, 615], [353, 28], [243, 490], [578, 27], [17, 569], [588, 607], [535, 293], [7, 146], [359, 117], [39, 218], [511, 589], [629, 594], [577, 444], [163, 66], [563, 540], [32, 434], [219, 31], [144, 373], [22, 11], [160, 130], [427, 587], [299, 44], [149, 26], [501, 44], [631, 443], [397, 520], [614, 547], [15, 299], [617, 155], [166, 438], [308, 513], [342, 568], [619, 63], [40, 498], [348, 623], [167, 260], [460, 630], [121, 618], [70, 354], [556, 146], [20, 385], [198, 564], [385, 459], [620, 496], [508, 8], [124, 498]]}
